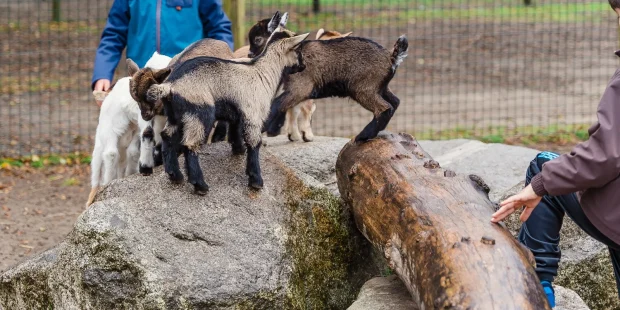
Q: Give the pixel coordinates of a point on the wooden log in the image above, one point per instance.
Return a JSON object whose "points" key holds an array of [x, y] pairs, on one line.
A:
{"points": [[434, 228]]}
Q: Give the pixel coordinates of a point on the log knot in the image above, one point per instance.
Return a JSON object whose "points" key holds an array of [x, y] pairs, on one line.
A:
{"points": [[487, 240], [449, 174], [431, 164], [478, 182], [400, 156]]}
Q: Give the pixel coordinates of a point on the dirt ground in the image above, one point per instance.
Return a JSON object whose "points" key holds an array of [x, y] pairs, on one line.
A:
{"points": [[38, 208]]}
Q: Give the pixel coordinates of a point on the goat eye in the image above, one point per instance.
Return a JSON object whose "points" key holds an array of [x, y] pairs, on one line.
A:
{"points": [[258, 40]]}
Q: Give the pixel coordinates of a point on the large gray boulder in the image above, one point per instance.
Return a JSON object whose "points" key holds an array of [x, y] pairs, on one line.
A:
{"points": [[148, 244]]}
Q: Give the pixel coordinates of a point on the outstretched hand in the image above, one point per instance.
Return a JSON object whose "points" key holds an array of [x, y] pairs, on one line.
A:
{"points": [[526, 198]]}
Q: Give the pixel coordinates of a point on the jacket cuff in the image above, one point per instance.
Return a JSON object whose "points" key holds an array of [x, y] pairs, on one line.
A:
{"points": [[537, 185]]}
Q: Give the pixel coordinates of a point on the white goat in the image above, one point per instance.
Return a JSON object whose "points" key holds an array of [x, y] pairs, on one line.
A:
{"points": [[117, 140]]}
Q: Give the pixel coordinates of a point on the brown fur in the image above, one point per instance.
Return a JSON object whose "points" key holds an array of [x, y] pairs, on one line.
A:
{"points": [[363, 64], [298, 119]]}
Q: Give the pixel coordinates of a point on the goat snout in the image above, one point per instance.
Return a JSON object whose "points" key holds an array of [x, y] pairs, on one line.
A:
{"points": [[251, 54], [147, 115]]}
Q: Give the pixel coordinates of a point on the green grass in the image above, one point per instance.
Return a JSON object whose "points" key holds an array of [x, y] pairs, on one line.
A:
{"points": [[528, 136], [71, 182], [35, 161]]}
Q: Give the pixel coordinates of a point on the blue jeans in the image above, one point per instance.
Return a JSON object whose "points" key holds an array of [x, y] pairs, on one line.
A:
{"points": [[541, 232]]}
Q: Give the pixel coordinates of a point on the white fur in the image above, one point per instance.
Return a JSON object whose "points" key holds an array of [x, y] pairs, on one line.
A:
{"points": [[118, 150], [115, 137]]}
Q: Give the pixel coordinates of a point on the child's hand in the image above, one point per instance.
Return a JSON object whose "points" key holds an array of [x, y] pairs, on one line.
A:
{"points": [[101, 85], [526, 198]]}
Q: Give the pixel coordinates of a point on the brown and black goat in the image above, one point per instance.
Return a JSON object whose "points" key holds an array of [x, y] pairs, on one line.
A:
{"points": [[352, 67]]}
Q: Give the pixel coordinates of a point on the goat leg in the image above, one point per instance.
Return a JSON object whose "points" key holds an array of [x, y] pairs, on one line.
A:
{"points": [[253, 140], [235, 139], [171, 140], [194, 172]]}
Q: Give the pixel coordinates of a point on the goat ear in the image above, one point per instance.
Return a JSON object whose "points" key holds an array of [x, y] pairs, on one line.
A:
{"points": [[294, 41], [274, 22], [320, 33], [132, 67], [284, 19], [346, 34], [161, 75]]}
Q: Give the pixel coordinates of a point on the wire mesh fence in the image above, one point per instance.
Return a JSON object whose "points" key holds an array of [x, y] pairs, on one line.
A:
{"points": [[493, 67]]}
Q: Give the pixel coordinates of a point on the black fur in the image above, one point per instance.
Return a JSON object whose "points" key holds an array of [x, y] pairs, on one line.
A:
{"points": [[253, 167], [219, 134]]}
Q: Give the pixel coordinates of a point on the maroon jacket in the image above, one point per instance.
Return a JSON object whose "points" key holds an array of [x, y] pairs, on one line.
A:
{"points": [[592, 168]]}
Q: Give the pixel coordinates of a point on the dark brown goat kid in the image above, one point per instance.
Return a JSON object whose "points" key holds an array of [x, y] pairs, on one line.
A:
{"points": [[352, 67]]}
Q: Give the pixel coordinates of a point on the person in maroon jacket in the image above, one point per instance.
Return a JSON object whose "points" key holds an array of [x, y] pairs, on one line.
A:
{"points": [[584, 184]]}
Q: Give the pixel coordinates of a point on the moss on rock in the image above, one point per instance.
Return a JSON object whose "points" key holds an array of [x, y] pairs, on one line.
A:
{"points": [[327, 251]]}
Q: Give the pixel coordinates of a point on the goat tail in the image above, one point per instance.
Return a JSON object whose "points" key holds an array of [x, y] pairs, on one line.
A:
{"points": [[400, 52], [157, 92], [96, 163]]}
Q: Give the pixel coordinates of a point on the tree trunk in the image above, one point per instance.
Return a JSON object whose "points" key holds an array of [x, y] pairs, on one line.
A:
{"points": [[434, 228]]}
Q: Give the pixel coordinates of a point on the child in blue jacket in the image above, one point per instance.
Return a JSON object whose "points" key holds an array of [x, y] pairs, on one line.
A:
{"points": [[146, 26]]}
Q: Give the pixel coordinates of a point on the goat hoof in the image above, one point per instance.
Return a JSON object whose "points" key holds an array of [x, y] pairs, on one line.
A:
{"points": [[290, 138], [176, 179], [144, 170], [307, 138], [217, 138], [201, 189], [256, 184], [272, 134], [238, 150]]}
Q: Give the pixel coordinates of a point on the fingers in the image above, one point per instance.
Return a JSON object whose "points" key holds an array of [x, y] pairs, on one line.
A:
{"points": [[102, 85], [526, 214], [503, 212]]}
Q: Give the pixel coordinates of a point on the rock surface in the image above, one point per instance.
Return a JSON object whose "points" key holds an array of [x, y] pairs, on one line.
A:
{"points": [[148, 244], [566, 299], [389, 293], [384, 293]]}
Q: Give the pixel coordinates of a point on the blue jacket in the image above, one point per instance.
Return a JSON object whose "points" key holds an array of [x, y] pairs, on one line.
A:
{"points": [[165, 26]]}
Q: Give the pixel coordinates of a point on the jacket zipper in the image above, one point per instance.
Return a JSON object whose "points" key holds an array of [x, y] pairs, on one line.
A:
{"points": [[158, 26]]}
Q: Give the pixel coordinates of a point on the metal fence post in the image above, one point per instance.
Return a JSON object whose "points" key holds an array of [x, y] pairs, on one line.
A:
{"points": [[56, 10], [316, 6], [235, 9]]}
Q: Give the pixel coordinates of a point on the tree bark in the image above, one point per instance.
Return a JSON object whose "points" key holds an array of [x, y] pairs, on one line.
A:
{"points": [[434, 228]]}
